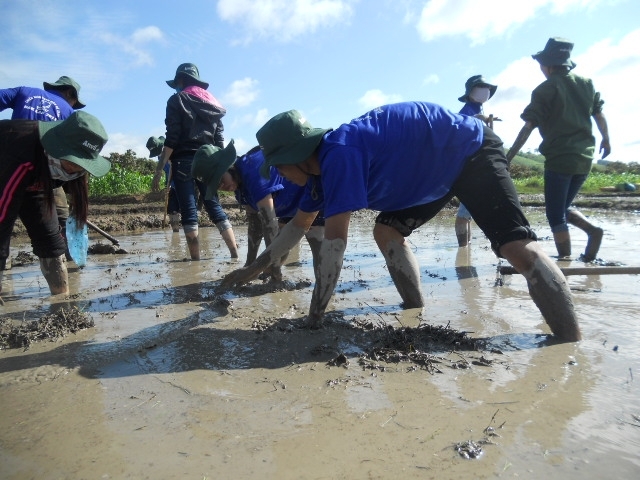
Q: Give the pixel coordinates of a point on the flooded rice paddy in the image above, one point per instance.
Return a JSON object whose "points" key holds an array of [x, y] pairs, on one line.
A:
{"points": [[179, 379]]}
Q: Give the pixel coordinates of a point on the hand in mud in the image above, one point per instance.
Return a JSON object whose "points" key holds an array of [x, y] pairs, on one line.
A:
{"points": [[239, 277]]}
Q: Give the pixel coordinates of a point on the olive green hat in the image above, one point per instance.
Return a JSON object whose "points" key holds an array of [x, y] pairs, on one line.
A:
{"points": [[476, 81], [210, 163], [287, 139], [190, 70], [556, 53], [78, 139], [66, 82], [155, 144]]}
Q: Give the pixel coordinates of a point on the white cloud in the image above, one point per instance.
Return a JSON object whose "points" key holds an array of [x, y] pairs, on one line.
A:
{"points": [[121, 142], [482, 20], [375, 98], [284, 20], [135, 45], [613, 67], [431, 79], [241, 93]]}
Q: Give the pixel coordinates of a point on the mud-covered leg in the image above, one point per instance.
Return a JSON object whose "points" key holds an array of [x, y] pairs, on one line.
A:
{"points": [[226, 232], [563, 243], [402, 264], [463, 231], [55, 273], [594, 233], [314, 236], [191, 235], [547, 286]]}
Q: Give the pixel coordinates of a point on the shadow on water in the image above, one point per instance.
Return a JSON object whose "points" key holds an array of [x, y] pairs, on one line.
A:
{"points": [[195, 342]]}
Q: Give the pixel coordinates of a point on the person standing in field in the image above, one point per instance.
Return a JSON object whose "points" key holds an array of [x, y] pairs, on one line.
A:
{"points": [[405, 160], [193, 119], [55, 101], [477, 92], [561, 109]]}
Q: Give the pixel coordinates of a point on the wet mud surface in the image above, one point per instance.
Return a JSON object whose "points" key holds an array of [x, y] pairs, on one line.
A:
{"points": [[178, 378]]}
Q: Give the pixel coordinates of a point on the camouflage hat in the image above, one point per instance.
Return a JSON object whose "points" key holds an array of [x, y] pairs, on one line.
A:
{"points": [[190, 70], [78, 139], [66, 82], [476, 81], [210, 163], [556, 53], [155, 144], [287, 139]]}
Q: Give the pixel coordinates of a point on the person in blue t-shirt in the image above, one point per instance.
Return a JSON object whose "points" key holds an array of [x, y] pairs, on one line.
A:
{"points": [[477, 92], [270, 202], [406, 160], [55, 101]]}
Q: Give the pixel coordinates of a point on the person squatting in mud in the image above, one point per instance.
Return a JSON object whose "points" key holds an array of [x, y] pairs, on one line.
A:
{"points": [[193, 118], [561, 108], [406, 160], [35, 158], [270, 203]]}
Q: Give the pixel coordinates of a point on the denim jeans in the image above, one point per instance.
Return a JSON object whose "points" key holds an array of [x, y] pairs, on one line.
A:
{"points": [[559, 191], [185, 186]]}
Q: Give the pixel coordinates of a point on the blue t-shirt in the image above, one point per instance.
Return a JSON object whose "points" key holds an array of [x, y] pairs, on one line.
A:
{"points": [[29, 103], [391, 158], [253, 187], [471, 108]]}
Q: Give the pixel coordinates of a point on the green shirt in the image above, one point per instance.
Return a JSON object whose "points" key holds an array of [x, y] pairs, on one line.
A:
{"points": [[561, 108]]}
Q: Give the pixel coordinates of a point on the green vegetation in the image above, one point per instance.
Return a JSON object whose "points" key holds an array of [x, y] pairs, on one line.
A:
{"points": [[130, 175]]}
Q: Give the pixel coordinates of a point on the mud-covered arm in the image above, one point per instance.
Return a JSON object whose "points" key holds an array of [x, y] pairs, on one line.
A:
{"points": [[288, 237], [603, 128], [267, 214], [254, 234], [521, 139], [329, 265]]}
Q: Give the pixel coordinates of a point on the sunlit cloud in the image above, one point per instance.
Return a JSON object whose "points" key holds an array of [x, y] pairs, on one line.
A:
{"points": [[284, 20], [375, 98], [480, 21], [241, 93]]}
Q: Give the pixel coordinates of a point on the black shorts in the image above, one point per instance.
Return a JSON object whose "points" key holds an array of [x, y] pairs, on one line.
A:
{"points": [[485, 187]]}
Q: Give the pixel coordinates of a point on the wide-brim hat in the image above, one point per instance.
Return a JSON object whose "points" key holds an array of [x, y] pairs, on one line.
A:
{"points": [[190, 70], [155, 144], [64, 82], [210, 163], [78, 139], [287, 139], [557, 52], [476, 81]]}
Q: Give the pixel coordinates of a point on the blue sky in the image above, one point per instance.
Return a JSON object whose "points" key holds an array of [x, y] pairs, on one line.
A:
{"points": [[330, 59]]}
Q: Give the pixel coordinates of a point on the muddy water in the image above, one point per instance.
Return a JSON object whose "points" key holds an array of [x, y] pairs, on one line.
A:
{"points": [[176, 380]]}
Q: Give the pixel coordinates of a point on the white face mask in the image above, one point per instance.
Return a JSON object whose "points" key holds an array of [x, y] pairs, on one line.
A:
{"points": [[480, 94], [59, 173]]}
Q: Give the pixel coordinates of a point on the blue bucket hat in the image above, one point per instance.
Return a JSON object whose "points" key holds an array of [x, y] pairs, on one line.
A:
{"points": [[477, 81], [210, 163]]}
